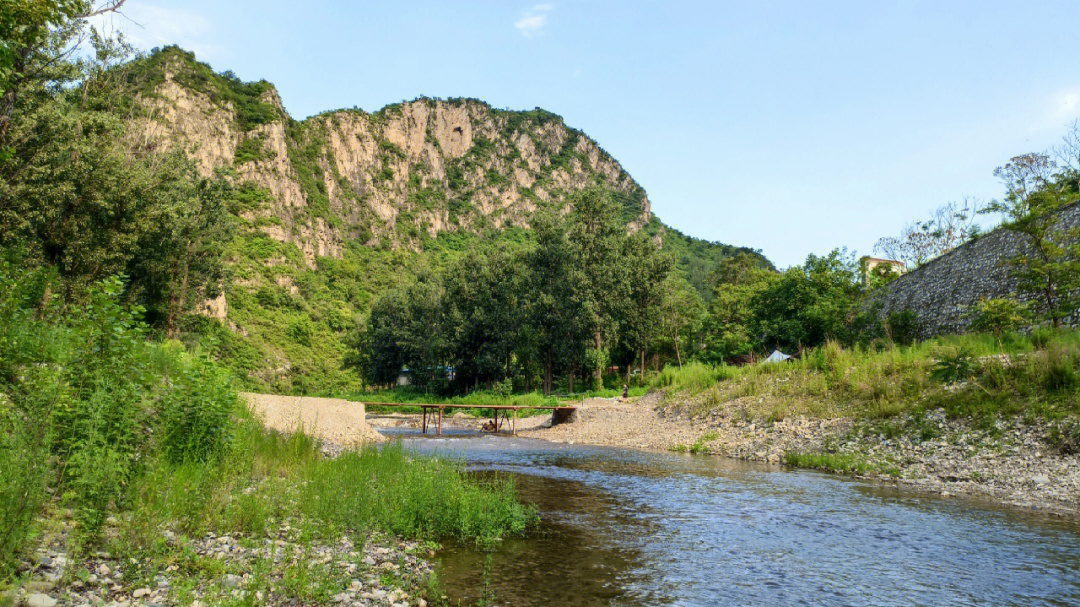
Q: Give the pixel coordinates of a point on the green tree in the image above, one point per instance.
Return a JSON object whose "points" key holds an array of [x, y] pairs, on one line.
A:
{"points": [[999, 316], [1049, 268], [555, 310], [180, 258], [681, 312], [33, 33], [646, 268], [727, 329], [406, 328], [484, 315], [808, 305], [596, 237]]}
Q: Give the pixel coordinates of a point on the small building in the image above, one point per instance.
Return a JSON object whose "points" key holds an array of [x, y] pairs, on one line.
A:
{"points": [[884, 267]]}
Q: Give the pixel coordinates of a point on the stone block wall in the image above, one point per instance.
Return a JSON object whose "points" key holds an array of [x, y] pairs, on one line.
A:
{"points": [[941, 291]]}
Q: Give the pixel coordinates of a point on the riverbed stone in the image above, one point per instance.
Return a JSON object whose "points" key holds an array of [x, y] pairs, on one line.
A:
{"points": [[38, 599]]}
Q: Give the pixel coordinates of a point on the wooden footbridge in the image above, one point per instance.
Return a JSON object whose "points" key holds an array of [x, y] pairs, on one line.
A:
{"points": [[503, 414]]}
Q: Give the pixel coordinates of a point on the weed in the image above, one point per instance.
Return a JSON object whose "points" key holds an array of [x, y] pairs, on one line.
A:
{"points": [[833, 462]]}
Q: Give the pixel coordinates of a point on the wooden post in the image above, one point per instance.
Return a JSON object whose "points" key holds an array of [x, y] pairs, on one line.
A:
{"points": [[440, 421], [424, 409], [515, 422]]}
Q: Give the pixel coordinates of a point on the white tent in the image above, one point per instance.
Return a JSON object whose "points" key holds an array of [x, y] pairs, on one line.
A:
{"points": [[777, 357]]}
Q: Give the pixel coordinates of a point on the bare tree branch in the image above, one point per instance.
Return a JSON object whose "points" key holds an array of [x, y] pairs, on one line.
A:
{"points": [[112, 6], [950, 226]]}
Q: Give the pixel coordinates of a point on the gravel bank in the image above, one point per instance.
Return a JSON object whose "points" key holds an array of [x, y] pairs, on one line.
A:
{"points": [[1009, 464], [278, 569]]}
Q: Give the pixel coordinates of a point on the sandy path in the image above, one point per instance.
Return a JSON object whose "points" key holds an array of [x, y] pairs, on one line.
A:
{"points": [[607, 421]]}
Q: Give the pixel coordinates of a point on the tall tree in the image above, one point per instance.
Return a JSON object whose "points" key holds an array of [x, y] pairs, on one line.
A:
{"points": [[727, 329], [483, 315], [950, 226], [555, 308], [406, 328], [646, 269], [807, 305], [681, 311], [596, 234], [34, 34], [1050, 267], [181, 250]]}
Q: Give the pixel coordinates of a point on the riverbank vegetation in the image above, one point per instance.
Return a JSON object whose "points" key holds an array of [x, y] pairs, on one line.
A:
{"points": [[972, 376], [120, 438]]}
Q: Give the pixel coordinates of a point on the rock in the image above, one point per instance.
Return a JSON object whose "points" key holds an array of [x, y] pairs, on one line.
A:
{"points": [[231, 580], [103, 570], [140, 593], [37, 599], [1040, 479], [40, 585]]}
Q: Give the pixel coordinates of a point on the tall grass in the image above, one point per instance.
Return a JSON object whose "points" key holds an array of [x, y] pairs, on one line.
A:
{"points": [[104, 421], [269, 479], [1033, 374], [420, 497], [694, 376]]}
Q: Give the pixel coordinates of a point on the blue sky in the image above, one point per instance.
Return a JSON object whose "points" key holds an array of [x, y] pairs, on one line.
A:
{"points": [[792, 127]]}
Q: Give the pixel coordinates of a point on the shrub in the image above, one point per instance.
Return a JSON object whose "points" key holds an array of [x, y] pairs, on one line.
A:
{"points": [[1042, 337], [195, 416], [24, 466], [998, 316], [1059, 372], [903, 327], [1065, 436], [954, 368]]}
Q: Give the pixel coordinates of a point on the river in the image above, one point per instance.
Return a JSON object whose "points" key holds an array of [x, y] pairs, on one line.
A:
{"points": [[636, 528]]}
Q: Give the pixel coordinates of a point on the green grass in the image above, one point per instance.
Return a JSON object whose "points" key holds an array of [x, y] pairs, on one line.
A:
{"points": [[479, 397], [832, 462], [270, 478], [700, 446], [1038, 377], [406, 395]]}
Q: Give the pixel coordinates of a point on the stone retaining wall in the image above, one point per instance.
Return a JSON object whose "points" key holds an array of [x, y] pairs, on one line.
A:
{"points": [[941, 291]]}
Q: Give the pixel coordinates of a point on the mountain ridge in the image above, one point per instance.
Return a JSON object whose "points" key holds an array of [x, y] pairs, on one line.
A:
{"points": [[336, 207]]}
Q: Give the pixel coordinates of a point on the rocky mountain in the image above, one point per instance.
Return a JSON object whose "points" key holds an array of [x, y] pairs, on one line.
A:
{"points": [[336, 207], [410, 170]]}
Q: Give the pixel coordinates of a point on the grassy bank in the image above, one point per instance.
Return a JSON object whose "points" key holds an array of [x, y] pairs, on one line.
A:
{"points": [[113, 443], [971, 376], [406, 395]]}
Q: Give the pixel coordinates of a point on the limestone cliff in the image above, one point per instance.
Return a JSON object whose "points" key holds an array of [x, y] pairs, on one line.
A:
{"points": [[385, 178]]}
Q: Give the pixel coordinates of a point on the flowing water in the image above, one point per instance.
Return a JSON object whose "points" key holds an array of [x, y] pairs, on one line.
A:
{"points": [[628, 527]]}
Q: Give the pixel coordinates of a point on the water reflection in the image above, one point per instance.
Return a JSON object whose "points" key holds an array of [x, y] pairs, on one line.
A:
{"points": [[625, 527]]}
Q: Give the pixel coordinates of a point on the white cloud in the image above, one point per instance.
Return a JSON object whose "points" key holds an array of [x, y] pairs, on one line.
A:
{"points": [[532, 21], [146, 26]]}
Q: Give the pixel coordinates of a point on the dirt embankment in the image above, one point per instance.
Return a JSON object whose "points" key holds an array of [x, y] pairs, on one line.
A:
{"points": [[332, 420], [1010, 464]]}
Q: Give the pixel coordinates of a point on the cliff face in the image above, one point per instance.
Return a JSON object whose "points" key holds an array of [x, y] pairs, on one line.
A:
{"points": [[383, 178]]}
